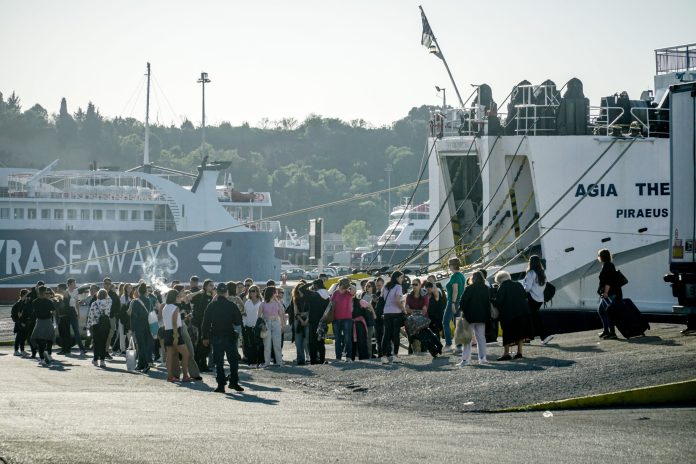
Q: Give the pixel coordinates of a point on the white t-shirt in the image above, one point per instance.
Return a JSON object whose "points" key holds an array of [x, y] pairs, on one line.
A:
{"points": [[167, 317], [252, 312], [531, 286]]}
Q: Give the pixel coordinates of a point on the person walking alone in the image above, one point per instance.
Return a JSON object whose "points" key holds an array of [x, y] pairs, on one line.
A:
{"points": [[609, 291]]}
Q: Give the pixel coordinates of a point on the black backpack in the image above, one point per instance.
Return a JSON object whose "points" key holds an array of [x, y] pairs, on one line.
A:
{"points": [[549, 292]]}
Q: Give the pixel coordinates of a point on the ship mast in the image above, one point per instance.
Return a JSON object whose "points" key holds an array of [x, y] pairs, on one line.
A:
{"points": [[146, 151]]}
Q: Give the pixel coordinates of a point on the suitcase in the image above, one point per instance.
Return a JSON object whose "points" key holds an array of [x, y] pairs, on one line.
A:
{"points": [[492, 331], [627, 318], [430, 342]]}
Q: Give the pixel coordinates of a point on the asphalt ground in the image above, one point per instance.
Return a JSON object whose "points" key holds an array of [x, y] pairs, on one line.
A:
{"points": [[75, 413]]}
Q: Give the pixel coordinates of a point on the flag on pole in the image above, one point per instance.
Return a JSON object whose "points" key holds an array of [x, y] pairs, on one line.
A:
{"points": [[428, 38]]}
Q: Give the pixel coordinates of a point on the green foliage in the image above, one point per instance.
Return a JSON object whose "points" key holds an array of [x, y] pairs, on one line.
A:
{"points": [[318, 160], [355, 234]]}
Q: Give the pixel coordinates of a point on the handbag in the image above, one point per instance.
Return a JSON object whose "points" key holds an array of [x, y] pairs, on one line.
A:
{"points": [[329, 313], [463, 332], [621, 279], [130, 356], [495, 313]]}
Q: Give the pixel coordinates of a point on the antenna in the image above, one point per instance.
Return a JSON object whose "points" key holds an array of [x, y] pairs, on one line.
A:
{"points": [[203, 80], [146, 150]]}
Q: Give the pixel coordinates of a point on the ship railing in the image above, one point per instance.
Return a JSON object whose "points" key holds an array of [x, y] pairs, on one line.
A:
{"points": [[599, 119], [265, 226], [456, 122], [654, 122]]}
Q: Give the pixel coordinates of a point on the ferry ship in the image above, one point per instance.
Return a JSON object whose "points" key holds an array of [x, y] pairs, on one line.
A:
{"points": [[559, 178], [408, 226], [88, 224]]}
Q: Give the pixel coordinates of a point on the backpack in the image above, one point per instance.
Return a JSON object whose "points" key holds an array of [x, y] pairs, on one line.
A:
{"points": [[549, 292]]}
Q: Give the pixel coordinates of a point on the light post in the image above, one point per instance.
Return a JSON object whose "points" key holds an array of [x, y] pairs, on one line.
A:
{"points": [[388, 169], [444, 97], [203, 80]]}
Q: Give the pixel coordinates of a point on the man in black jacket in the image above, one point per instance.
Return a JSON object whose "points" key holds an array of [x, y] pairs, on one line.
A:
{"points": [[20, 316], [115, 313], [317, 299], [219, 321], [139, 311]]}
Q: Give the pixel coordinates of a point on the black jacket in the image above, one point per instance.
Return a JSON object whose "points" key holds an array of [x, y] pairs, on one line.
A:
{"points": [[220, 318], [115, 304], [315, 303], [511, 300], [200, 302], [609, 276], [476, 303], [21, 320], [139, 314], [43, 308]]}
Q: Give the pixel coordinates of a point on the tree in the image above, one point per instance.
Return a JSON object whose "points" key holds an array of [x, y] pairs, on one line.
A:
{"points": [[66, 127], [355, 234]]}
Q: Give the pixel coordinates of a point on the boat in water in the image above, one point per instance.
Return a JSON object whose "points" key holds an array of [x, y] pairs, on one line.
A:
{"points": [[149, 222], [556, 177], [408, 226]]}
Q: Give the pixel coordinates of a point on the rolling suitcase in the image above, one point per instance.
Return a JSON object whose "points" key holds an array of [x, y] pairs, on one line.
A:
{"points": [[627, 318], [430, 342]]}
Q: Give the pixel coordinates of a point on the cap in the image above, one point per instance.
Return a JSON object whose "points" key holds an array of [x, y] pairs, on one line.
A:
{"points": [[221, 287]]}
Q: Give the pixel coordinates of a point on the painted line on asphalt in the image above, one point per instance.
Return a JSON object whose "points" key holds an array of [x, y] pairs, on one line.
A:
{"points": [[671, 393]]}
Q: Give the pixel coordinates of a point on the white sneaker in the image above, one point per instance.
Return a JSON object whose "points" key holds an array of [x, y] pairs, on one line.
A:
{"points": [[263, 366], [50, 359], [24, 353], [463, 364], [17, 353], [42, 362], [46, 357], [95, 363], [547, 339], [102, 364], [348, 361], [385, 360], [396, 359], [482, 362]]}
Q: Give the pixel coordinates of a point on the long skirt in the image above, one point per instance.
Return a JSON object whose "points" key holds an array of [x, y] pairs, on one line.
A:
{"points": [[517, 329]]}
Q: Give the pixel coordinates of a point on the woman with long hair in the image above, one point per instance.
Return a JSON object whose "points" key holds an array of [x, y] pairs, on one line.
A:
{"points": [[534, 284], [609, 290], [300, 325], [252, 344], [173, 340], [369, 295], [98, 322], [273, 314], [393, 316], [43, 334], [125, 295]]}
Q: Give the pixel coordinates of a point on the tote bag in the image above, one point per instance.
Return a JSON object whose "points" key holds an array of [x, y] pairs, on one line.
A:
{"points": [[130, 356]]}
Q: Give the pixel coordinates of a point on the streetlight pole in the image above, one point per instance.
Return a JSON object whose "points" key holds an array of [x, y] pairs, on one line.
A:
{"points": [[203, 80], [388, 169], [444, 97]]}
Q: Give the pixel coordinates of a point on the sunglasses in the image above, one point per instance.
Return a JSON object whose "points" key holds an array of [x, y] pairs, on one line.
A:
{"points": [[252, 291]]}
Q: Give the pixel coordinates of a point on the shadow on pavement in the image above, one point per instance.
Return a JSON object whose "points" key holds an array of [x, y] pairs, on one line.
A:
{"points": [[261, 388], [247, 398], [650, 340], [577, 349]]}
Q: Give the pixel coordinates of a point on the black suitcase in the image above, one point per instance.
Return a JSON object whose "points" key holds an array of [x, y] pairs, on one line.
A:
{"points": [[430, 342], [627, 318]]}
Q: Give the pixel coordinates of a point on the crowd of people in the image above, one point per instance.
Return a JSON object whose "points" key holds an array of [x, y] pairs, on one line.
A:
{"points": [[189, 328]]}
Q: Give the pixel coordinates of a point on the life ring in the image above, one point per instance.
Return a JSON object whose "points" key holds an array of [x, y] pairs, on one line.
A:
{"points": [[260, 197]]}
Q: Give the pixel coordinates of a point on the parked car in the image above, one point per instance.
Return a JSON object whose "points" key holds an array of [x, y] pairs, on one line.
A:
{"points": [[343, 270], [295, 273]]}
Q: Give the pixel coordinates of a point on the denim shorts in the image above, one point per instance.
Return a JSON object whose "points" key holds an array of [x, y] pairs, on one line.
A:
{"points": [[169, 337]]}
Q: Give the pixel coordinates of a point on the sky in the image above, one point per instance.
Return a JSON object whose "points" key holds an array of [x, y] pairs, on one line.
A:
{"points": [[344, 59]]}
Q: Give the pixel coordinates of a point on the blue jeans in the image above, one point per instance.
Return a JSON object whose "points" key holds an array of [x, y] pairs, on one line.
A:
{"points": [[446, 319], [343, 337], [604, 303], [301, 340], [228, 346], [75, 326]]}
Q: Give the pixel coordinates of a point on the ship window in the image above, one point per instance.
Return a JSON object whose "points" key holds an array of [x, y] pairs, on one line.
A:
{"points": [[31, 213], [110, 214], [97, 214], [123, 215], [45, 214], [418, 234], [147, 215], [72, 214], [19, 213], [4, 213], [135, 215], [57, 214], [84, 214]]}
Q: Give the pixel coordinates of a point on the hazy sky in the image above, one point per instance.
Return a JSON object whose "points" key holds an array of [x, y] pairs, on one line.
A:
{"points": [[345, 59]]}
